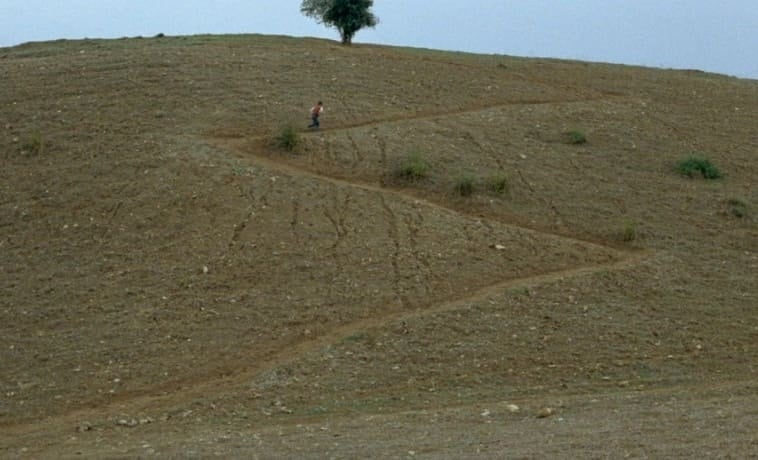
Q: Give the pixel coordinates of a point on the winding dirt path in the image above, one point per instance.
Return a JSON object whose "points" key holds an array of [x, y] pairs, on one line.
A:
{"points": [[166, 396], [172, 394]]}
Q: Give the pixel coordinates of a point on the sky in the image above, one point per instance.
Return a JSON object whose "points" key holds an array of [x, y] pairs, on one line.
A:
{"points": [[712, 35]]}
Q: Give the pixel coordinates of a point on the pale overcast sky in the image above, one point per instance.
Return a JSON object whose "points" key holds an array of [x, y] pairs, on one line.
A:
{"points": [[714, 35]]}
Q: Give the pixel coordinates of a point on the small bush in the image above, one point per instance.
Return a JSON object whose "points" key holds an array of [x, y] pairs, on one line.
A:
{"points": [[629, 232], [33, 144], [498, 184], [693, 166], [288, 138], [413, 167], [465, 185], [737, 207], [576, 137]]}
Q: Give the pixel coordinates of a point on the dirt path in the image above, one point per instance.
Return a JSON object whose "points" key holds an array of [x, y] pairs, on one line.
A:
{"points": [[222, 133], [168, 396], [174, 393], [416, 116]]}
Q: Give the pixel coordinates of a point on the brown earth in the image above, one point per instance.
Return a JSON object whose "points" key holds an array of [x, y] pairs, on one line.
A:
{"points": [[173, 284]]}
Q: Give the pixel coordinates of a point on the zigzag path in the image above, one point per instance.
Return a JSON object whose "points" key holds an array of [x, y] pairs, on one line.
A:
{"points": [[171, 394]]}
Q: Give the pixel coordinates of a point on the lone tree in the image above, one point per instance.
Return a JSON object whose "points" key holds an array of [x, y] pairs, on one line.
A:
{"points": [[347, 16]]}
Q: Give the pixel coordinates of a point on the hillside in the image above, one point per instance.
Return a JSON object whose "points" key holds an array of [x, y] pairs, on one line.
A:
{"points": [[176, 284]]}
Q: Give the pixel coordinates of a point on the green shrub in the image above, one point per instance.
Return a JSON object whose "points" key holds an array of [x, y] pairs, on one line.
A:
{"points": [[737, 207], [693, 166], [465, 185], [288, 138], [413, 167], [498, 184], [33, 144], [576, 137], [629, 232]]}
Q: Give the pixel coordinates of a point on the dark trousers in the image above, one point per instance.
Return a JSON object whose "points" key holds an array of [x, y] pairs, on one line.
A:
{"points": [[314, 123]]}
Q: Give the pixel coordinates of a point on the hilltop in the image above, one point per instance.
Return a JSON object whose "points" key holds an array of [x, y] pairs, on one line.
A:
{"points": [[174, 283]]}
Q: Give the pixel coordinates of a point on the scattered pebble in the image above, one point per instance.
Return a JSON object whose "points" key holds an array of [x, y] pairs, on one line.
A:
{"points": [[84, 426], [130, 423], [545, 412]]}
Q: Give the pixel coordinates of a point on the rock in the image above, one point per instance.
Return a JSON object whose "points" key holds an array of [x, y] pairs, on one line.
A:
{"points": [[512, 408], [545, 412], [84, 426], [130, 423], [486, 413]]}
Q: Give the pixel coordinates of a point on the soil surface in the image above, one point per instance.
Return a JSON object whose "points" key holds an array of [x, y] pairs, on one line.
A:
{"points": [[438, 272]]}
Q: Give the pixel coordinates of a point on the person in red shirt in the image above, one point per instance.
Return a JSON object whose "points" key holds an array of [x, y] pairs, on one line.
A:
{"points": [[315, 112]]}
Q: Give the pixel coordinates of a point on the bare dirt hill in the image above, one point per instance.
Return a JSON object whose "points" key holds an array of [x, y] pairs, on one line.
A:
{"points": [[175, 284]]}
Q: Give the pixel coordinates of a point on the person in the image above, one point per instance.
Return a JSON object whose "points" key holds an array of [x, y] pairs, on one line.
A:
{"points": [[315, 112]]}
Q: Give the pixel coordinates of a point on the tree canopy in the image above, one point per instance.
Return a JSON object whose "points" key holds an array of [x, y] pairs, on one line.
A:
{"points": [[347, 16]]}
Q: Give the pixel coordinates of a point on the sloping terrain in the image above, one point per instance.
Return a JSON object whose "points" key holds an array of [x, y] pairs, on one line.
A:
{"points": [[176, 284]]}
